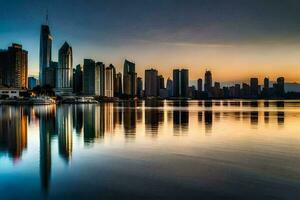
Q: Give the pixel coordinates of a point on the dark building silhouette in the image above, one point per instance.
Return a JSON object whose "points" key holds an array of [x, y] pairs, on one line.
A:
{"points": [[245, 90], [14, 67], [50, 78], [129, 79], [91, 77], [254, 87], [180, 82], [266, 88], [279, 87], [118, 85], [78, 79], [199, 85], [45, 52], [169, 87], [151, 83], [208, 83], [237, 91], [161, 82]]}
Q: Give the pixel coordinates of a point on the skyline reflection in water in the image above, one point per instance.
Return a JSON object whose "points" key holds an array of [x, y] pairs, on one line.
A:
{"points": [[62, 139]]}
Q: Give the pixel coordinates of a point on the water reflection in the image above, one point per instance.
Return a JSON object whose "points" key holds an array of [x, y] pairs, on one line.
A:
{"points": [[13, 131], [93, 123]]}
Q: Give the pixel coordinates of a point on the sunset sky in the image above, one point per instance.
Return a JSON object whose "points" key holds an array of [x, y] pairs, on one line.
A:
{"points": [[235, 39]]}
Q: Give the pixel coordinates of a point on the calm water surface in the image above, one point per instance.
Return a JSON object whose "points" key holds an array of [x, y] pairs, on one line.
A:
{"points": [[151, 150]]}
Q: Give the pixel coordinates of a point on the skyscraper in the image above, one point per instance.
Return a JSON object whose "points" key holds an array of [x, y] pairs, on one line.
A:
{"points": [[161, 82], [51, 74], [64, 73], [280, 92], [101, 67], [199, 85], [184, 82], [109, 81], [266, 88], [78, 79], [45, 52], [176, 83], [129, 79], [254, 87], [180, 82], [91, 77], [151, 81], [208, 83], [14, 67], [170, 87], [118, 85]]}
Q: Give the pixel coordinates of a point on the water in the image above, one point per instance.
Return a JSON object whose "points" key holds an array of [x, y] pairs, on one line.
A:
{"points": [[151, 150]]}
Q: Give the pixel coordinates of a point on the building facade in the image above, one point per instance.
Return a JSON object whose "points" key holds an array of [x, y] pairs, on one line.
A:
{"points": [[64, 73], [208, 83], [118, 85], [45, 53], [180, 82], [91, 78], [129, 79], [78, 79], [151, 83], [14, 67], [109, 81]]}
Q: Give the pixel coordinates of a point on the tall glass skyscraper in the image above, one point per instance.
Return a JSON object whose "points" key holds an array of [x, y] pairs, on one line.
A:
{"points": [[129, 79], [180, 82], [45, 52], [64, 73]]}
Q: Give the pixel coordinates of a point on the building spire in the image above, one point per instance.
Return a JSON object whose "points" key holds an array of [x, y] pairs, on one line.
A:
{"points": [[47, 17]]}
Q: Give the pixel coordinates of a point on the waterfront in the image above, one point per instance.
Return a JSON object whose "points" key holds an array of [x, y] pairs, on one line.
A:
{"points": [[151, 149]]}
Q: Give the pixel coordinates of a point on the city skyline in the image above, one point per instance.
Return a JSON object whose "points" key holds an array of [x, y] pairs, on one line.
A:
{"points": [[251, 48]]}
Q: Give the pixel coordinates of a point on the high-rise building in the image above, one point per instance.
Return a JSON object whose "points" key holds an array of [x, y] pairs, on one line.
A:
{"points": [[64, 72], [32, 82], [129, 79], [170, 87], [139, 87], [184, 82], [151, 81], [50, 78], [101, 66], [208, 83], [216, 91], [180, 82], [161, 82], [78, 79], [199, 85], [91, 74], [45, 53], [266, 89], [254, 87], [245, 90], [237, 90], [176, 83], [109, 81], [118, 85], [14, 67], [279, 89]]}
